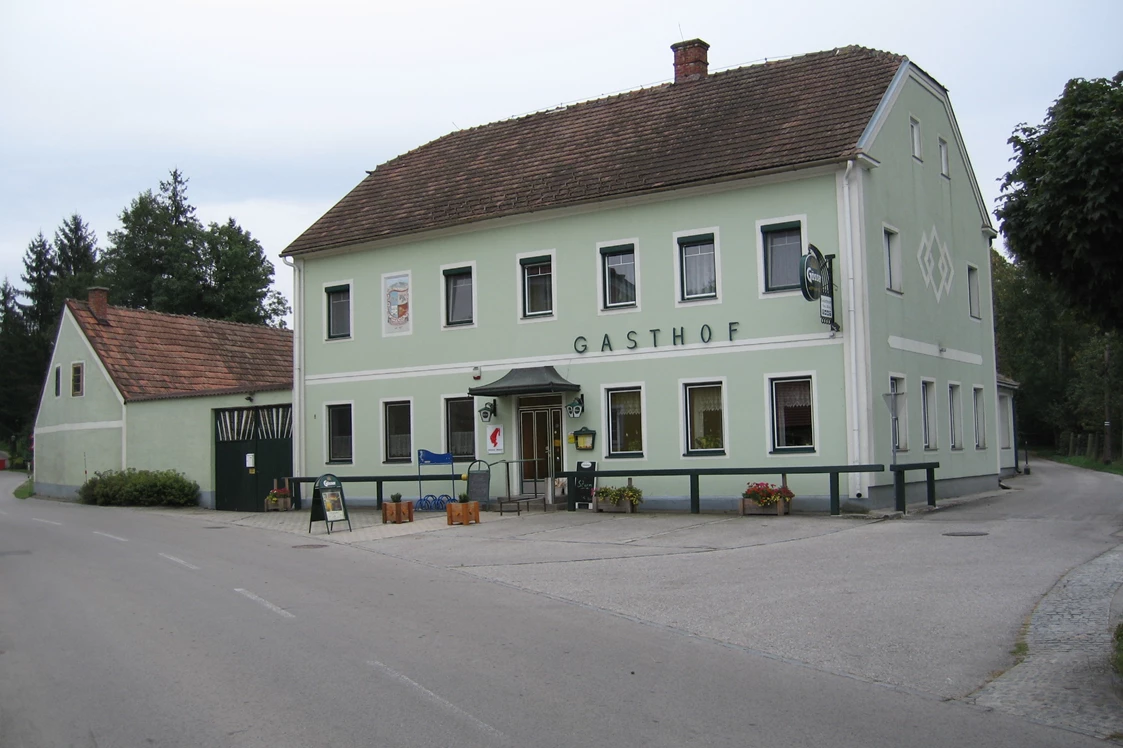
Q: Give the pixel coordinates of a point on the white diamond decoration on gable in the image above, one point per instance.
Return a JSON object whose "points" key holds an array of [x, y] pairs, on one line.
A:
{"points": [[930, 264]]}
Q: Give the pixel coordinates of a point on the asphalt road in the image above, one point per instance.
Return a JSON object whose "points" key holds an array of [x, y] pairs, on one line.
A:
{"points": [[134, 628]]}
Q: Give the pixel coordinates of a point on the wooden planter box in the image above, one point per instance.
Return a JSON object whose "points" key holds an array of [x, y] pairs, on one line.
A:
{"points": [[397, 512], [463, 513], [281, 505], [748, 506], [621, 507]]}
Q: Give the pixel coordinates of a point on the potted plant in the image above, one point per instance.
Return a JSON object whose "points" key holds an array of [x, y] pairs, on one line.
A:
{"points": [[397, 511], [278, 500], [766, 498], [618, 499], [463, 512]]}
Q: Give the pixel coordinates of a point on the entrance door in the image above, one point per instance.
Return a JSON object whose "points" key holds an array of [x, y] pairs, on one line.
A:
{"points": [[266, 434], [540, 440]]}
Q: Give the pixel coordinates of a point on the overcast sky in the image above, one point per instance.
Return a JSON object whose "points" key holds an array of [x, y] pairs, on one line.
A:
{"points": [[274, 109]]}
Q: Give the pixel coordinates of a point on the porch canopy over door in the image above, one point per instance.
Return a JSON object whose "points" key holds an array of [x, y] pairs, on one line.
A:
{"points": [[536, 380]]}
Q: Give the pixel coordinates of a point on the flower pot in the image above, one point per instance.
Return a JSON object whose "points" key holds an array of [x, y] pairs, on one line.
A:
{"points": [[463, 513], [749, 506], [282, 504], [620, 507], [397, 512]]}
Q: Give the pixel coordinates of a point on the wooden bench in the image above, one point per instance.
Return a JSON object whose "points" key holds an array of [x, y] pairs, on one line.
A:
{"points": [[519, 502]]}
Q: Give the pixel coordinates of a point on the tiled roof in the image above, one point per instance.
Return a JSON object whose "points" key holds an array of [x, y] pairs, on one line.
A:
{"points": [[151, 355], [783, 114]]}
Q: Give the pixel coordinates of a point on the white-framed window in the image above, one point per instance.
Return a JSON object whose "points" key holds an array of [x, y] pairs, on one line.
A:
{"points": [[397, 430], [894, 269], [704, 417], [955, 415], [625, 421], [460, 427], [793, 414], [619, 275], [58, 381], [337, 310], [928, 413], [77, 379], [973, 291], [339, 433], [899, 413], [945, 163], [979, 409], [537, 284], [458, 302], [783, 249], [915, 138], [697, 266], [1005, 423]]}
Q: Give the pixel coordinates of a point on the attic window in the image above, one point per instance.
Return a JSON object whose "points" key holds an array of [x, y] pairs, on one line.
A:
{"points": [[77, 380], [58, 381], [914, 134]]}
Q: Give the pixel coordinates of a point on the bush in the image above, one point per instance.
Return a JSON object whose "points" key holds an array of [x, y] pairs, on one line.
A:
{"points": [[139, 488]]}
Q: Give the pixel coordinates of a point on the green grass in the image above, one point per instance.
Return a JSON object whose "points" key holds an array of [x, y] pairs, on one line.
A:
{"points": [[1084, 462], [27, 488]]}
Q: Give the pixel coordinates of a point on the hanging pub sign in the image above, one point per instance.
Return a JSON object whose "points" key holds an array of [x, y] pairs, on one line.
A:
{"points": [[816, 281], [328, 504]]}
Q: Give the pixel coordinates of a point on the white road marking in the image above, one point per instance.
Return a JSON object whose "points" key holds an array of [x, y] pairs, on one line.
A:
{"points": [[485, 727], [180, 561], [49, 522], [279, 611], [107, 535]]}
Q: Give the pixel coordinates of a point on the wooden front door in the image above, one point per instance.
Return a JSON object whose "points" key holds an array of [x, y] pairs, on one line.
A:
{"points": [[540, 442]]}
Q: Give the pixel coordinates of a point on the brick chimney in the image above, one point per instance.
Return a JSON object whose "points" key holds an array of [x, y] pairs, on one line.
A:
{"points": [[98, 299], [691, 63]]}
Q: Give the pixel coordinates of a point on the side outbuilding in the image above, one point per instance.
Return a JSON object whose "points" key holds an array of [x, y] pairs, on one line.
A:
{"points": [[131, 388]]}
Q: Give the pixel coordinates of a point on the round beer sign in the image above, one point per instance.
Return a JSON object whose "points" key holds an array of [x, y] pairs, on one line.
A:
{"points": [[811, 274]]}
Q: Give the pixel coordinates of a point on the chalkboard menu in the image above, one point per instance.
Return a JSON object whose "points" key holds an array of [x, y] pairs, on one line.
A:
{"points": [[583, 484]]}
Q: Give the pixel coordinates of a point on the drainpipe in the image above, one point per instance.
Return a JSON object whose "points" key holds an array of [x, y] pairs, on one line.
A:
{"points": [[298, 465], [851, 315]]}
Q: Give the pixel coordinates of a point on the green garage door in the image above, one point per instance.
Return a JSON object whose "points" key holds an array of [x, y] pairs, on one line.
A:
{"points": [[253, 447]]}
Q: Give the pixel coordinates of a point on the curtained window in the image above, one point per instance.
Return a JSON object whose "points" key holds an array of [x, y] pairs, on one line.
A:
{"points": [[704, 432], [460, 420], [398, 433], [625, 423], [699, 267], [339, 433], [792, 422]]}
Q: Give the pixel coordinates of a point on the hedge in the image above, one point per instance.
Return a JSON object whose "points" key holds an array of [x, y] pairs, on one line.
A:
{"points": [[139, 488]]}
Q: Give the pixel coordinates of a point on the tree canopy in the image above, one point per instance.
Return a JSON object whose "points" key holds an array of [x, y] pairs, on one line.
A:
{"points": [[1062, 205], [162, 258]]}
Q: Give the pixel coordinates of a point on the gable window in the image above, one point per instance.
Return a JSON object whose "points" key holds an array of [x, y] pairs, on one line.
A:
{"points": [[625, 422], [460, 428], [899, 414], [973, 291], [338, 311], [58, 381], [538, 285], [891, 241], [704, 419], [792, 422], [928, 412], [459, 303], [783, 248], [955, 416], [914, 135], [945, 165], [77, 380], [398, 435], [339, 433], [619, 275], [697, 267], [980, 419]]}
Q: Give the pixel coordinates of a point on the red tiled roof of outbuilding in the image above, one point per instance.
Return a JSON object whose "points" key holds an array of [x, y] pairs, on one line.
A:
{"points": [[789, 113], [152, 355]]}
